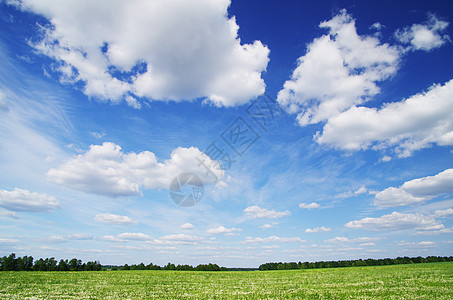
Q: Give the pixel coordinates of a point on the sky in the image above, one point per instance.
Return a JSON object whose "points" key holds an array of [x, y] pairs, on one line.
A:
{"points": [[228, 132]]}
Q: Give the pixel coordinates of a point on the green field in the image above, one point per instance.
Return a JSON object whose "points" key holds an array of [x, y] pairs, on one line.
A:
{"points": [[415, 281]]}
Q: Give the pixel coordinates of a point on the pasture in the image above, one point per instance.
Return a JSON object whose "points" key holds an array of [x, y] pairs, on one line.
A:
{"points": [[414, 281]]}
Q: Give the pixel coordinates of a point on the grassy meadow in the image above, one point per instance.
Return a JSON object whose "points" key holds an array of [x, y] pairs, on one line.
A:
{"points": [[415, 281]]}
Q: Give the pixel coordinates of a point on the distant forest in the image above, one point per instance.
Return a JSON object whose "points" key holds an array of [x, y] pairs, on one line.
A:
{"points": [[27, 263], [353, 263]]}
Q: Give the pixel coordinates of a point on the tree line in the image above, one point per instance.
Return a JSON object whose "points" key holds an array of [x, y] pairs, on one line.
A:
{"points": [[353, 263], [26, 263], [169, 266]]}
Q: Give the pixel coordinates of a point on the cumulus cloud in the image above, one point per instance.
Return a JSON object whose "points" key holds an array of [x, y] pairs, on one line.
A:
{"points": [[114, 219], [257, 212], [159, 50], [339, 70], [222, 229], [309, 206], [431, 185], [426, 36], [317, 229], [413, 124], [416, 191], [397, 221], [106, 170], [271, 239], [442, 213], [187, 226], [23, 200]]}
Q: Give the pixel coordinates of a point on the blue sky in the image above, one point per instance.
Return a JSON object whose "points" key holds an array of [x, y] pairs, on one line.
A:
{"points": [[319, 131]]}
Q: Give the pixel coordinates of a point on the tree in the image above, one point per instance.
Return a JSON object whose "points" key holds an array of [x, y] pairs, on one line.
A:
{"points": [[40, 265], [63, 265]]}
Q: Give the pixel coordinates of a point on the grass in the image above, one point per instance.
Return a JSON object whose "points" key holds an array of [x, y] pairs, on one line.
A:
{"points": [[416, 281]]}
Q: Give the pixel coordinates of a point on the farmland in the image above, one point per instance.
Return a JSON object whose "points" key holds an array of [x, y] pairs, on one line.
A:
{"points": [[421, 281]]}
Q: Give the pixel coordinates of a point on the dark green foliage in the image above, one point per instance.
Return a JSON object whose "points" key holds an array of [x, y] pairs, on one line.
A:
{"points": [[11, 263], [353, 263]]}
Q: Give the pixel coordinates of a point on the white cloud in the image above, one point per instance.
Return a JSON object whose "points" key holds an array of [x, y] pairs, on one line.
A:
{"points": [[392, 197], [97, 135], [442, 213], [317, 229], [106, 170], [138, 236], [360, 191], [182, 237], [9, 214], [367, 244], [270, 239], [114, 219], [178, 239], [55, 239], [338, 239], [8, 241], [267, 226], [187, 226], [339, 70], [177, 50], [127, 236], [397, 221], [416, 191], [80, 236], [23, 200], [363, 240], [257, 212], [111, 238], [309, 206], [377, 26], [222, 229], [410, 125], [424, 36], [422, 244], [431, 185]]}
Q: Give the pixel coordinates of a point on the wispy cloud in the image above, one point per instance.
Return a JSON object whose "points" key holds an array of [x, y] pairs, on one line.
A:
{"points": [[23, 200], [271, 239], [309, 205]]}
